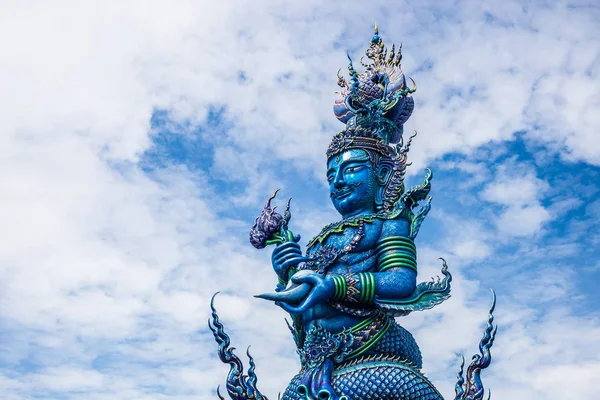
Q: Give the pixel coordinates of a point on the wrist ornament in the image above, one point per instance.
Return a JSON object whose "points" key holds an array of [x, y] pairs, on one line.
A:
{"points": [[354, 288]]}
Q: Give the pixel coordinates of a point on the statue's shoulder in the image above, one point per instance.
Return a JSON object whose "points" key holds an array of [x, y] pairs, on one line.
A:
{"points": [[396, 222], [398, 226]]}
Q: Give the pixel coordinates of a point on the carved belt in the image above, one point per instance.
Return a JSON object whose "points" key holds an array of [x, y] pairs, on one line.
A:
{"points": [[321, 345]]}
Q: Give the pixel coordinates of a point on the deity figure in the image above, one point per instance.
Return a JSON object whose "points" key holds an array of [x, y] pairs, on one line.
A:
{"points": [[360, 273]]}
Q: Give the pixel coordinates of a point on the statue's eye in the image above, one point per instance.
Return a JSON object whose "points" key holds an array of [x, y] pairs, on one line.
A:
{"points": [[354, 169], [330, 178]]}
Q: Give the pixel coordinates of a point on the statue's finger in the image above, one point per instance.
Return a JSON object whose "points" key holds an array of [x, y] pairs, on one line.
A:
{"points": [[287, 244], [293, 261], [313, 279], [310, 300], [286, 248], [288, 308], [293, 295], [305, 305], [288, 253], [287, 257]]}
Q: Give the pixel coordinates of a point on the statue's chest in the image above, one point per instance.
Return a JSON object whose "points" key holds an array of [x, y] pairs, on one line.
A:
{"points": [[352, 246]]}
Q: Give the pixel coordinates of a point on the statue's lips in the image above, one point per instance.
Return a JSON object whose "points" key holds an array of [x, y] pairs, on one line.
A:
{"points": [[340, 194]]}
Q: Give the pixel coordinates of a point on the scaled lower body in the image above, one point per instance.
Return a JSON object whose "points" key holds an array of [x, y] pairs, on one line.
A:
{"points": [[383, 366]]}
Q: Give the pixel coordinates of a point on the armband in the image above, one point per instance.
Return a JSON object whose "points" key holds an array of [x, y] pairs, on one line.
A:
{"points": [[396, 251]]}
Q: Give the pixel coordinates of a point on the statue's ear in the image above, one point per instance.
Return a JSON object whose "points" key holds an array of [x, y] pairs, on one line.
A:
{"points": [[384, 174]]}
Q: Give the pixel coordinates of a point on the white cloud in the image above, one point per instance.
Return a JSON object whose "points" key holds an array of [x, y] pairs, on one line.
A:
{"points": [[523, 221], [514, 190], [466, 239], [104, 265], [519, 192]]}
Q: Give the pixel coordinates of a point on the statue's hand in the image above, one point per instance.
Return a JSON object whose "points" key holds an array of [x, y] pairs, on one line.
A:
{"points": [[285, 256], [322, 290]]}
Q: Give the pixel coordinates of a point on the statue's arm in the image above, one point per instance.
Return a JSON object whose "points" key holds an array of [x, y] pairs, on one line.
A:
{"points": [[396, 269], [358, 288], [394, 277], [392, 286], [395, 274]]}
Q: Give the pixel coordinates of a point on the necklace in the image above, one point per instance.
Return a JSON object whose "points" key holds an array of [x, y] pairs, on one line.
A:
{"points": [[337, 227]]}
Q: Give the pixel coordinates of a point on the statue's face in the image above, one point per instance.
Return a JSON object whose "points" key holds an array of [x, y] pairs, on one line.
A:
{"points": [[352, 183]]}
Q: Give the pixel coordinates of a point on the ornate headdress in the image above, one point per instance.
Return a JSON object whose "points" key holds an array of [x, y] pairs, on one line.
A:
{"points": [[376, 103], [374, 107]]}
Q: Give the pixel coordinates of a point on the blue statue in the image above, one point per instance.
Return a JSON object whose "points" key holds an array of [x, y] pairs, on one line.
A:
{"points": [[360, 273]]}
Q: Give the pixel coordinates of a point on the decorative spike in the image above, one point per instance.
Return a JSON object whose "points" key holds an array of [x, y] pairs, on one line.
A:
{"points": [[269, 200], [252, 378], [419, 217], [239, 386], [341, 81], [458, 389], [219, 393], [363, 63], [474, 389], [392, 55], [414, 89], [399, 56], [406, 148], [351, 70], [354, 75]]}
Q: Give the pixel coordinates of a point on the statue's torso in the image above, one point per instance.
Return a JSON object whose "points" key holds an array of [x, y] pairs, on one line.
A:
{"points": [[361, 258]]}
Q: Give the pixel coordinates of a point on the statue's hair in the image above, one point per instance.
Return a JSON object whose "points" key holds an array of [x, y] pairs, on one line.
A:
{"points": [[394, 187], [396, 161]]}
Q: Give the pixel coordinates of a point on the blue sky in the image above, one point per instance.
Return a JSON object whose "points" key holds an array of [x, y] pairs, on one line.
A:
{"points": [[140, 140]]}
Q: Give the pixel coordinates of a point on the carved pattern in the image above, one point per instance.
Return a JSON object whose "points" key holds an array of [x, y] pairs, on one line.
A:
{"points": [[352, 292], [327, 255]]}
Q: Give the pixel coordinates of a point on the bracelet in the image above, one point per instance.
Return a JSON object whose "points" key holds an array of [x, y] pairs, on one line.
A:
{"points": [[396, 251], [367, 287], [347, 288], [339, 282]]}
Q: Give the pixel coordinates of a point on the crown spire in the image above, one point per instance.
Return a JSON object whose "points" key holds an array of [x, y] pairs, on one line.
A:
{"points": [[375, 103]]}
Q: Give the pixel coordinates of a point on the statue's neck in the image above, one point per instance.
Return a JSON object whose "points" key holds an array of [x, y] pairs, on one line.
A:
{"points": [[359, 213]]}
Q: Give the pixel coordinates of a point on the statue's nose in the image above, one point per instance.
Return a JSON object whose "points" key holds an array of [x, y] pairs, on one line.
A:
{"points": [[338, 182]]}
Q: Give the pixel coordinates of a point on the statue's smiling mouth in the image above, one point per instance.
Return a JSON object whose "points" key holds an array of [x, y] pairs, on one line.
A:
{"points": [[340, 194], [345, 191]]}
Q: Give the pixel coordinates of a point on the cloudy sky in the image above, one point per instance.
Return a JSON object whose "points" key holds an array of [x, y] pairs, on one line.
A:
{"points": [[139, 139]]}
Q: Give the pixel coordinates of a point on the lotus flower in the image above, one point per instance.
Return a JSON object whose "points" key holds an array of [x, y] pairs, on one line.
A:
{"points": [[271, 227]]}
